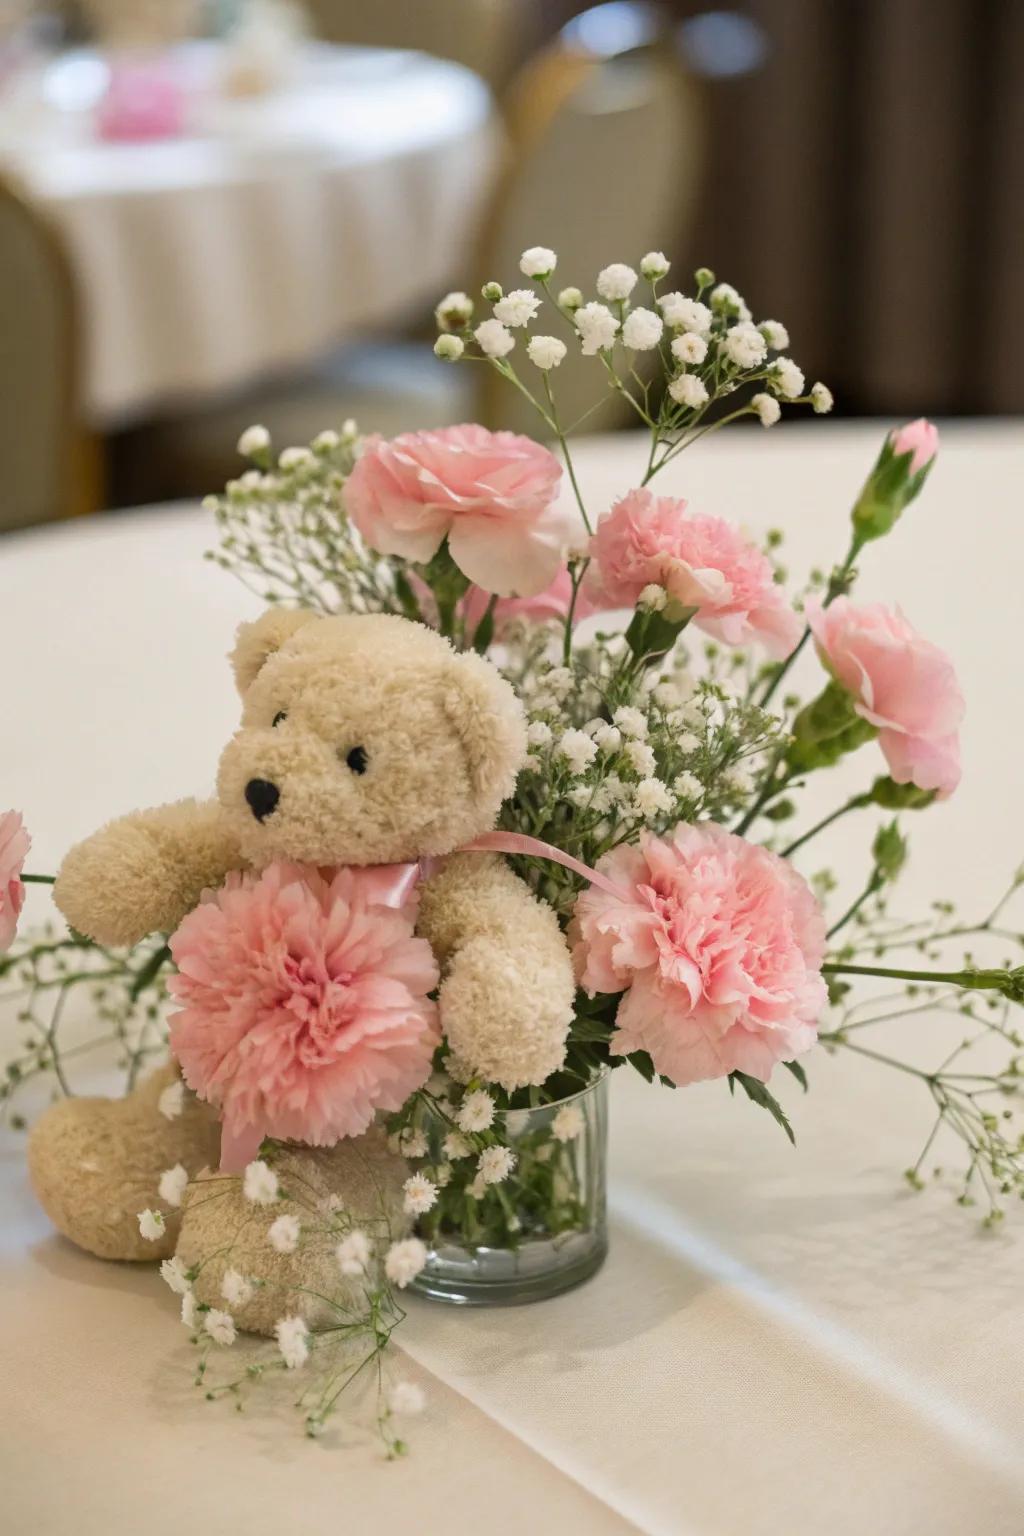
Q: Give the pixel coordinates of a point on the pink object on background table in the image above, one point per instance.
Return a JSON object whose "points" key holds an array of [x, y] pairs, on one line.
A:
{"points": [[144, 100]]}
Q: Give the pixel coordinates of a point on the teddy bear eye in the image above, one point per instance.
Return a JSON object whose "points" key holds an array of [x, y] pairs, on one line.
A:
{"points": [[357, 759], [281, 715]]}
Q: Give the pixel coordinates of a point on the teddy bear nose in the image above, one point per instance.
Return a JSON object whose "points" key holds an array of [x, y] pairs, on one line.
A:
{"points": [[262, 797]]}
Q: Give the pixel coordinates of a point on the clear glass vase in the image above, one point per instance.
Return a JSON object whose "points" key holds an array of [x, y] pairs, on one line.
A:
{"points": [[541, 1230]]}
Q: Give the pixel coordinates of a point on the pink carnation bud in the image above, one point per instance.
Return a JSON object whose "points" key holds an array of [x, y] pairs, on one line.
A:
{"points": [[921, 438], [14, 846]]}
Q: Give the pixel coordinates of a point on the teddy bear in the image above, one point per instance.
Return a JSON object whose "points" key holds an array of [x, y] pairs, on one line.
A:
{"points": [[365, 740]]}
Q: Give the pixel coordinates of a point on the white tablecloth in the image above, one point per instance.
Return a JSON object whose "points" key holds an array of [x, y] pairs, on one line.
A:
{"points": [[781, 1341], [276, 227]]}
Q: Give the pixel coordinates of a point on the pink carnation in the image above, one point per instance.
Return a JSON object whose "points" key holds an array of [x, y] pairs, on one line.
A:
{"points": [[921, 438], [718, 945], [304, 1005], [492, 494], [552, 603], [14, 846], [702, 562], [901, 683]]}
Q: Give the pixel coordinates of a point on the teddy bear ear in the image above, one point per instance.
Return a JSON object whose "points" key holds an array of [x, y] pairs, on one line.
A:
{"points": [[490, 723], [255, 642]]}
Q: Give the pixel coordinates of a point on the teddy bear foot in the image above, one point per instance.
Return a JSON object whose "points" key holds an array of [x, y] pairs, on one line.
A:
{"points": [[328, 1192], [96, 1163]]}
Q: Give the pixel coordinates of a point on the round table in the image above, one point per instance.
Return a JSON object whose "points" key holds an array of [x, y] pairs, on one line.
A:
{"points": [[782, 1339], [273, 228]]}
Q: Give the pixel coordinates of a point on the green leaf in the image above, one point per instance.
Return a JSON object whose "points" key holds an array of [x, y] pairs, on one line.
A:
{"points": [[644, 1065], [889, 850], [798, 1072], [756, 1090], [485, 629], [652, 635]]}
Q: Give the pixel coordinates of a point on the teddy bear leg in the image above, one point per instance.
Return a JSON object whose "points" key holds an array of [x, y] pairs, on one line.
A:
{"points": [[96, 1163], [328, 1192]]}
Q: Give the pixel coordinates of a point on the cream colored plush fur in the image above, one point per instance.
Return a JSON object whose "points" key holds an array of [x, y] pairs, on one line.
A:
{"points": [[96, 1163], [441, 737], [222, 1230]]}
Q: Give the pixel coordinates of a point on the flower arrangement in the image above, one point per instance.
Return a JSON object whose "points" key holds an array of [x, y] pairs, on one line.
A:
{"points": [[649, 642]]}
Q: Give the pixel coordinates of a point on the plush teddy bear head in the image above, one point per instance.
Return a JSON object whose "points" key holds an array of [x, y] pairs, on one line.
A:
{"points": [[365, 739]]}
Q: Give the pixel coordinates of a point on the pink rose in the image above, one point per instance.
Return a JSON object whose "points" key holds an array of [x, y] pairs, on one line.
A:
{"points": [[921, 438], [492, 494], [900, 683], [14, 846], [717, 945], [702, 562], [304, 1004]]}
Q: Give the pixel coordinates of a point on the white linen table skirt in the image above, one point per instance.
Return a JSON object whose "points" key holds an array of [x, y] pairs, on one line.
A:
{"points": [[782, 1340]]}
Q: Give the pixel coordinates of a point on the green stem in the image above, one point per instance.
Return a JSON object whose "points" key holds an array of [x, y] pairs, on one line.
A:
{"points": [[836, 585], [564, 445], [874, 884], [39, 879], [769, 789], [973, 981], [855, 804], [149, 971]]}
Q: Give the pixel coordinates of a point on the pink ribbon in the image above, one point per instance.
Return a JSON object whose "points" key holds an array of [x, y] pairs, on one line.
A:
{"points": [[394, 885]]}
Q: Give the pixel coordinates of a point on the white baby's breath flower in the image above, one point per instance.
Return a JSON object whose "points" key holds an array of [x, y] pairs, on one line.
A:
{"points": [[767, 408], [570, 298], [476, 1112], [568, 1123], [220, 1326], [454, 311], [745, 346], [283, 1234], [775, 334], [412, 1142], [494, 339], [532, 763], [478, 1188], [353, 1253], [455, 1145], [821, 399], [292, 1337], [786, 378], [687, 743], [495, 1164], [189, 1309], [151, 1225], [296, 458], [538, 733], [326, 441], [694, 712], [596, 326], [406, 1399], [688, 390], [538, 261], [560, 680], [739, 780], [616, 282], [580, 795], [236, 1288], [630, 721], [253, 440], [420, 1194], [404, 1260], [260, 1185], [172, 1101], [173, 1184], [174, 1273], [517, 308], [684, 314], [607, 738], [687, 786], [652, 796], [654, 266], [652, 598], [443, 1175], [449, 348], [641, 758], [576, 749], [545, 352], [726, 301], [642, 330], [689, 348]]}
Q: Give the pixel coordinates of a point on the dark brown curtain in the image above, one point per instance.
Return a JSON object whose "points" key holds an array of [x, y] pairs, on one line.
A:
{"points": [[866, 185]]}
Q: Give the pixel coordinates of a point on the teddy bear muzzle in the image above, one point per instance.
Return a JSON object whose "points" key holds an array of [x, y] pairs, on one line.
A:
{"points": [[261, 797]]}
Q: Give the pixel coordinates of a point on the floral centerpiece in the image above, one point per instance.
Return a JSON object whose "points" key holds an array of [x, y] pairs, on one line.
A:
{"points": [[657, 813]]}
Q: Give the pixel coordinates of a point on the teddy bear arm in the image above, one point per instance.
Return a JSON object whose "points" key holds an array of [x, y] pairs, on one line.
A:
{"points": [[508, 989], [142, 873]]}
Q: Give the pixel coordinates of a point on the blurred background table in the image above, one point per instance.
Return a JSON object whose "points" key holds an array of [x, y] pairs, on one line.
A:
{"points": [[273, 228], [781, 1341]]}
